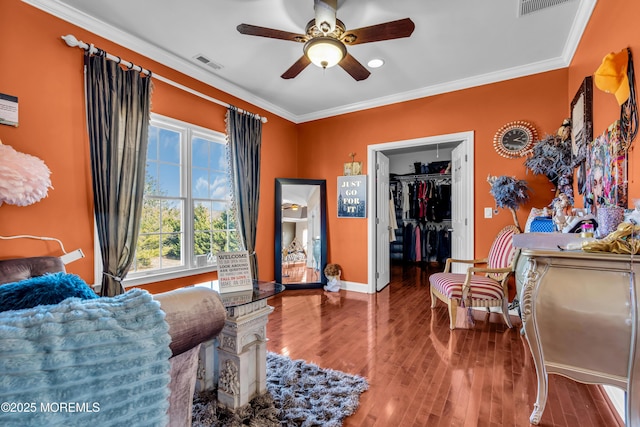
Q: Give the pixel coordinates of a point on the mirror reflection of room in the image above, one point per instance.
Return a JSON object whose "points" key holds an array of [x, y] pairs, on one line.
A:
{"points": [[300, 233]]}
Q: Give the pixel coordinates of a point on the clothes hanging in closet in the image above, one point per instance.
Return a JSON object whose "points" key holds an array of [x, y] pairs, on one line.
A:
{"points": [[428, 200], [393, 224], [425, 206]]}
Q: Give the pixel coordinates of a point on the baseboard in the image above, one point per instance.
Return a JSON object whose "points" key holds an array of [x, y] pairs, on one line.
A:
{"points": [[615, 398], [355, 287]]}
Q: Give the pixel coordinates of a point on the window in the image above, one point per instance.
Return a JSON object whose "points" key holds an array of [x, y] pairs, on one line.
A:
{"points": [[187, 214]]}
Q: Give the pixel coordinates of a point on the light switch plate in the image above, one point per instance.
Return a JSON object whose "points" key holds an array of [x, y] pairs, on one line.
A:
{"points": [[488, 213]]}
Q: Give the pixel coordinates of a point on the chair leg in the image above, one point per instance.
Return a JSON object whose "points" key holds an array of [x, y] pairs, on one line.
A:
{"points": [[453, 310], [434, 298], [505, 313]]}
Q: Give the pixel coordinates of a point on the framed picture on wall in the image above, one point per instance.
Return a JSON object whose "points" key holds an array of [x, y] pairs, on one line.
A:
{"points": [[582, 128], [606, 169], [352, 168], [352, 196]]}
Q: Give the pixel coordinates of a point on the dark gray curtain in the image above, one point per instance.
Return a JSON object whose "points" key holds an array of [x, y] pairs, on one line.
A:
{"points": [[118, 104], [244, 135]]}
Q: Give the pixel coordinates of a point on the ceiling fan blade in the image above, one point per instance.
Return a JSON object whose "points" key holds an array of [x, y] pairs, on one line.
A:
{"points": [[296, 68], [375, 33], [254, 30], [354, 68]]}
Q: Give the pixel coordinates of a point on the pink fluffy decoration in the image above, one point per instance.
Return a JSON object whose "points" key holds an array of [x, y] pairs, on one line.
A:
{"points": [[24, 179]]}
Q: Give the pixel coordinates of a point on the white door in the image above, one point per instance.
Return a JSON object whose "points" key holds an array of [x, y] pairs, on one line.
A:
{"points": [[459, 207], [383, 258]]}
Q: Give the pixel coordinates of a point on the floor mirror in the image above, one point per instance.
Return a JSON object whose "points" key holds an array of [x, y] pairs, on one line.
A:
{"points": [[300, 232]]}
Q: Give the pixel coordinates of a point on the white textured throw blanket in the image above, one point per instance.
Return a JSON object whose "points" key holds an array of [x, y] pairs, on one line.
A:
{"points": [[98, 362]]}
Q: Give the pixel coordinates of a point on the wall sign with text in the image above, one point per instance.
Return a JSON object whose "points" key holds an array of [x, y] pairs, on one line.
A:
{"points": [[234, 271], [352, 196], [8, 110]]}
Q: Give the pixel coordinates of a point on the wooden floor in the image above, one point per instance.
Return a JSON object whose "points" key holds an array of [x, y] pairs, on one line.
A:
{"points": [[420, 373], [298, 273]]}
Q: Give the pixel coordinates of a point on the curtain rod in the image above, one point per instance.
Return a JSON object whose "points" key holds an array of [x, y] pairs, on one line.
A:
{"points": [[72, 41]]}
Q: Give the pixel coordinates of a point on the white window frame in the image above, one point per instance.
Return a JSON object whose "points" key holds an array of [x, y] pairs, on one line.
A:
{"points": [[189, 267]]}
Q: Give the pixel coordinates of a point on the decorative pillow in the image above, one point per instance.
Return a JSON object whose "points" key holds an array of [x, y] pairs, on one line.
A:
{"points": [[43, 290]]}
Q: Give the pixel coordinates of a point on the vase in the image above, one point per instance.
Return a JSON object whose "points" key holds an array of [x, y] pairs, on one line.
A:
{"points": [[609, 217]]}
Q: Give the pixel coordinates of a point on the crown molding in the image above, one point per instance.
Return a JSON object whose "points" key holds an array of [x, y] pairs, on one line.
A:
{"points": [[157, 54], [452, 86], [585, 10], [575, 34]]}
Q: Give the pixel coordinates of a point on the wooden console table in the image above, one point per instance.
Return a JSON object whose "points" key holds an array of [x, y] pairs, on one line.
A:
{"points": [[579, 312]]}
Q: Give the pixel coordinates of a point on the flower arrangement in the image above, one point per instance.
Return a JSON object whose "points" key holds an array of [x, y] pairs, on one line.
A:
{"points": [[510, 193]]}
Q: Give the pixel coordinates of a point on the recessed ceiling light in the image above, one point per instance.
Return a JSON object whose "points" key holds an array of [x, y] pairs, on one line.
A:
{"points": [[375, 63]]}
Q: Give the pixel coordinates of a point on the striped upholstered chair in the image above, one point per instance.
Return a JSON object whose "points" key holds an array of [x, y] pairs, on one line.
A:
{"points": [[484, 286]]}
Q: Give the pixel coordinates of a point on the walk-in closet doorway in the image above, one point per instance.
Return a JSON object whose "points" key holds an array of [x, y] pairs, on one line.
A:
{"points": [[462, 199]]}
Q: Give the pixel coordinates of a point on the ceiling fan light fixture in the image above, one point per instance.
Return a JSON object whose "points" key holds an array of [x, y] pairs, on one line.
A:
{"points": [[325, 52]]}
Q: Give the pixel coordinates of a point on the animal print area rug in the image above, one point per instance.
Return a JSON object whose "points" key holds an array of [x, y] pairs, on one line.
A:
{"points": [[298, 395]]}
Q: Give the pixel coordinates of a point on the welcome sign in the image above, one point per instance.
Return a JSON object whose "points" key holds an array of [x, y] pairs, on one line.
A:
{"points": [[352, 196], [234, 271]]}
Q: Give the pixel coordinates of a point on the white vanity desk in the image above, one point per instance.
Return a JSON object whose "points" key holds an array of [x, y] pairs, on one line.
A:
{"points": [[579, 312]]}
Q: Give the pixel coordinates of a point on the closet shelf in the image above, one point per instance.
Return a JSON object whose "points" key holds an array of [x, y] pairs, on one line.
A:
{"points": [[420, 176], [446, 220]]}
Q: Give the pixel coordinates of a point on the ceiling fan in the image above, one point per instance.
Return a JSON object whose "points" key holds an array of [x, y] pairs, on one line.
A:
{"points": [[292, 206], [326, 39]]}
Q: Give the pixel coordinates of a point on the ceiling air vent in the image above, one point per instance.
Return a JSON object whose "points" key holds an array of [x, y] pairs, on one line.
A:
{"points": [[530, 6], [206, 61]]}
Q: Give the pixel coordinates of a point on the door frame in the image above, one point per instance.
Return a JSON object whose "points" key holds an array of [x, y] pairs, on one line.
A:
{"points": [[467, 141]]}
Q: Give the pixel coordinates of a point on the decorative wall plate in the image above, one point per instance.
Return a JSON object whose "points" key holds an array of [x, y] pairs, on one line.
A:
{"points": [[515, 139]]}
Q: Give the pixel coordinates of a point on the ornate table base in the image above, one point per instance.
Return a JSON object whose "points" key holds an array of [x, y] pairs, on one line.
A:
{"points": [[579, 312], [237, 359]]}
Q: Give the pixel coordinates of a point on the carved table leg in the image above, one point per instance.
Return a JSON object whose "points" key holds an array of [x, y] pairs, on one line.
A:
{"points": [[531, 333], [242, 354]]}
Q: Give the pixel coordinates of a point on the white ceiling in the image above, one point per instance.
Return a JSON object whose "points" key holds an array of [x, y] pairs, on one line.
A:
{"points": [[456, 44]]}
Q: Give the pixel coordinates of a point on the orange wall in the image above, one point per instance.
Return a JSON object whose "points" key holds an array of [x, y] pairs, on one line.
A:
{"points": [[47, 78], [607, 33], [542, 99], [539, 99], [46, 75]]}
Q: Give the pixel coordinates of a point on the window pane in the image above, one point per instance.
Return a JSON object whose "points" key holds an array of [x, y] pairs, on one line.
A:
{"points": [[202, 243], [171, 250], [219, 186], [218, 156], [148, 252], [171, 196], [152, 147], [200, 153], [233, 240], [171, 216], [231, 220], [202, 216], [151, 179], [219, 242], [169, 146], [200, 183], [169, 180], [150, 217]]}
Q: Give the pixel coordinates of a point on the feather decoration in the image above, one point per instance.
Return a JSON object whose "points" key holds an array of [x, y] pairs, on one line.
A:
{"points": [[24, 179], [552, 158], [509, 193]]}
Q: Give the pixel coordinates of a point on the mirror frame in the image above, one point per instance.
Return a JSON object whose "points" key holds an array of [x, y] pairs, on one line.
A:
{"points": [[278, 230]]}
